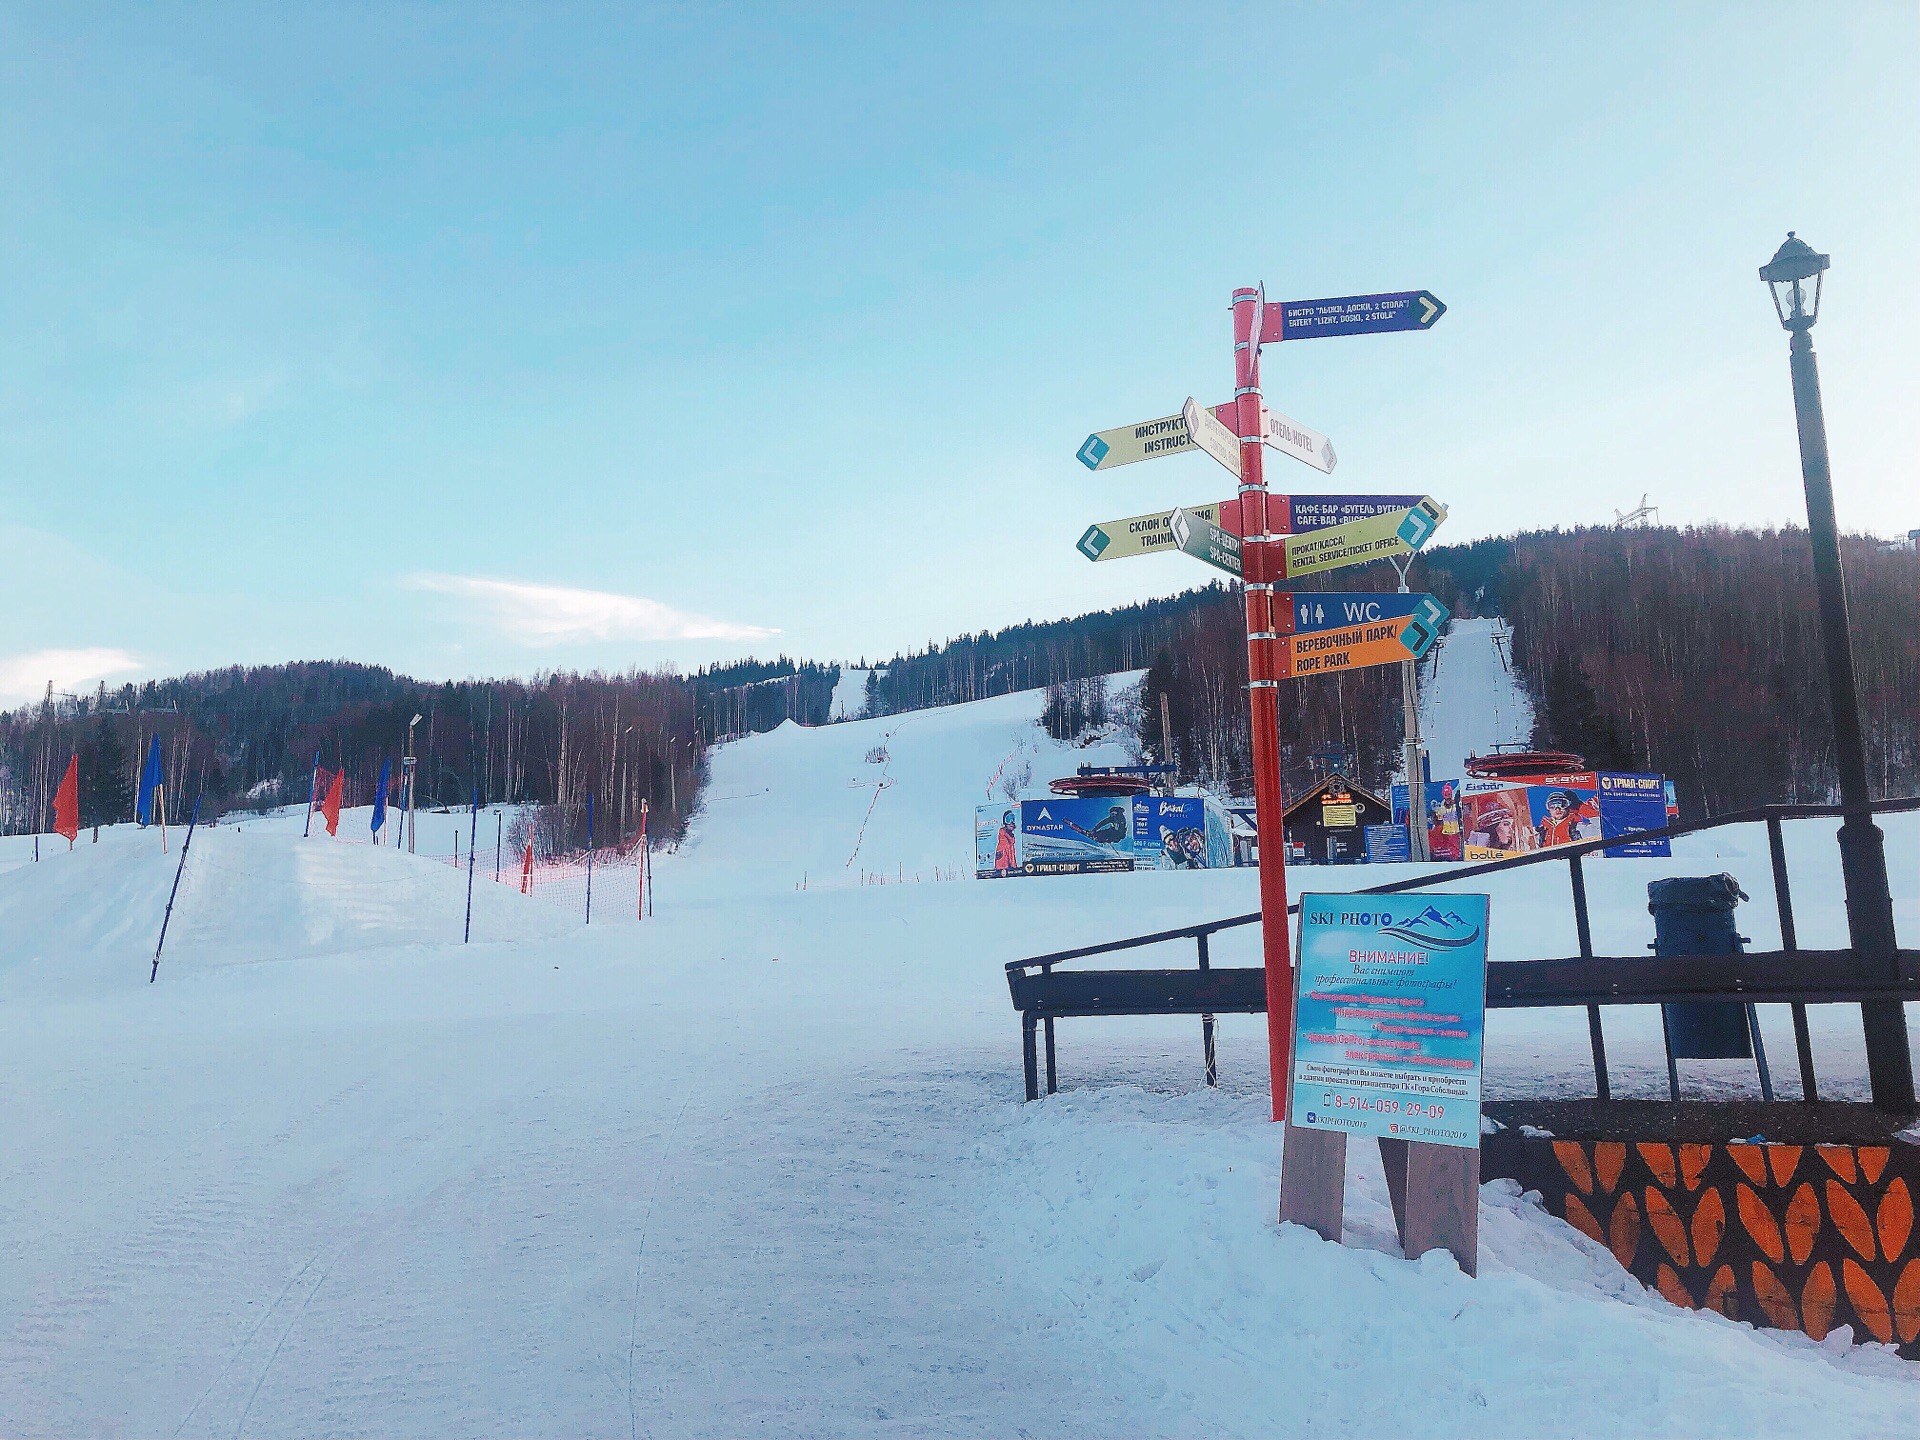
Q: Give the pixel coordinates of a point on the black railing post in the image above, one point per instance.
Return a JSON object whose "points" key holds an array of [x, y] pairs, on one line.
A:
{"points": [[1583, 927], [1206, 1021], [1052, 1083], [1789, 941]]}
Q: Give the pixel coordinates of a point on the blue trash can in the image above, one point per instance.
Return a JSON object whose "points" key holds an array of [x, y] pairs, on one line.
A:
{"points": [[1693, 915]]}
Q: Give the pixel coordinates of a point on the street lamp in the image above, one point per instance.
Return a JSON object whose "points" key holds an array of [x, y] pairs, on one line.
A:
{"points": [[407, 768], [1795, 275]]}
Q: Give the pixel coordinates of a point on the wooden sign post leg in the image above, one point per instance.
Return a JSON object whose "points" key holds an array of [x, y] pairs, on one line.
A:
{"points": [[1313, 1180], [1393, 1160], [1443, 1203]]}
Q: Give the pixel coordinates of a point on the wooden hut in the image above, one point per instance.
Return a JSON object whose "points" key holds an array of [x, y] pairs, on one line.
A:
{"points": [[1328, 824]]}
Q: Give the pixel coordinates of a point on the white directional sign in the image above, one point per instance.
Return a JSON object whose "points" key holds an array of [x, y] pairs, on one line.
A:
{"points": [[1290, 437], [1207, 431]]}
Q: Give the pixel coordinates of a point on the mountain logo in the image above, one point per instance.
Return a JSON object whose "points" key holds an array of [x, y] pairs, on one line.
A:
{"points": [[1436, 928]]}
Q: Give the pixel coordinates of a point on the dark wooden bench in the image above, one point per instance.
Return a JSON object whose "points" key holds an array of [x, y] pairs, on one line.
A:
{"points": [[1043, 994]]}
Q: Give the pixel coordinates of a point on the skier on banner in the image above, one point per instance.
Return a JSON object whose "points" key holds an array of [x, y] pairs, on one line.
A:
{"points": [[1569, 818], [1004, 846], [1110, 831]]}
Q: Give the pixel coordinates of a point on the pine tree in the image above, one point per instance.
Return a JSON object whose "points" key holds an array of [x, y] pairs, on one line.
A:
{"points": [[106, 797]]}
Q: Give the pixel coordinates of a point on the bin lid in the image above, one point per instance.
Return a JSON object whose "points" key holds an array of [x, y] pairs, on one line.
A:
{"points": [[1694, 892]]}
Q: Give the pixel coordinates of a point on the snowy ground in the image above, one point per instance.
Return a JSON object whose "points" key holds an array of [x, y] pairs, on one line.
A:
{"points": [[761, 1164], [1469, 699]]}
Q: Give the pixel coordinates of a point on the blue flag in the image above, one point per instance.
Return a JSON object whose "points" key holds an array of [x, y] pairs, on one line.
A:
{"points": [[149, 782], [380, 796]]}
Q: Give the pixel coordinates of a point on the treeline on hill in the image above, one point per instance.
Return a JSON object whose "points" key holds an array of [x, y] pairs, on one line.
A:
{"points": [[1698, 653], [248, 736]]}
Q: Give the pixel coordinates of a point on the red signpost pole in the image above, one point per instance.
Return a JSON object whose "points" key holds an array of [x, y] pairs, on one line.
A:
{"points": [[1262, 558]]}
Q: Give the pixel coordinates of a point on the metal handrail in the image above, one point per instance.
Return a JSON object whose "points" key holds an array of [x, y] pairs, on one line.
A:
{"points": [[1759, 814]]}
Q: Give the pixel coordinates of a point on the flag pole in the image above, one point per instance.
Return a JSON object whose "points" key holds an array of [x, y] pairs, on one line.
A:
{"points": [[313, 786], [167, 919], [470, 843]]}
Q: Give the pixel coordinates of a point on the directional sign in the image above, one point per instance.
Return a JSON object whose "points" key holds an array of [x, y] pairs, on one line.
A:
{"points": [[1290, 437], [1148, 440], [1208, 432], [1204, 540], [1144, 534], [1351, 630], [1351, 315], [1396, 532], [1320, 512]]}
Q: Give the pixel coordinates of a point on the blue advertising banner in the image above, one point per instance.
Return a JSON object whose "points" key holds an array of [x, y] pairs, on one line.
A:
{"points": [[1387, 845], [1389, 1016], [1629, 803], [1078, 835], [1170, 832]]}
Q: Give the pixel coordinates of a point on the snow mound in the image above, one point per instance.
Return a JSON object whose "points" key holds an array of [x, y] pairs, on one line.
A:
{"points": [[88, 919]]}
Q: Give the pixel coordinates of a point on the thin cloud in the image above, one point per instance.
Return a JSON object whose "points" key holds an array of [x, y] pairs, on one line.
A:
{"points": [[557, 615], [25, 677]]}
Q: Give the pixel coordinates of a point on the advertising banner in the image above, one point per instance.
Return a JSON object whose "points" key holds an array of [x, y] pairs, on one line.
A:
{"points": [[1169, 832], [1495, 820], [1563, 809], [1387, 845], [1443, 816], [1633, 802], [1389, 1015], [996, 842], [1079, 835]]}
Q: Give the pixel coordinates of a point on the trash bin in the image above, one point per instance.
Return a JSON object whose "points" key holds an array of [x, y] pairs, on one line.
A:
{"points": [[1693, 915]]}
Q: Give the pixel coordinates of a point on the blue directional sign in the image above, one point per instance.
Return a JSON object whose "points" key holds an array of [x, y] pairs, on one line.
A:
{"points": [[1412, 621], [1351, 315]]}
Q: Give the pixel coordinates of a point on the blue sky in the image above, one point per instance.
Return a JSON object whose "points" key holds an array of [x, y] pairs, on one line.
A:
{"points": [[482, 340]]}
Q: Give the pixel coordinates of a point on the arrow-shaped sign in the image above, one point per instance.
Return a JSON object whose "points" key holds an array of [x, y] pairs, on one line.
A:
{"points": [[1211, 435], [1395, 532], [1351, 630], [1290, 437], [1145, 534], [1128, 444], [1204, 540], [1351, 315], [1168, 435]]}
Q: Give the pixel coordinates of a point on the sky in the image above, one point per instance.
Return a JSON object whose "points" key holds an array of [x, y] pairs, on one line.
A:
{"points": [[487, 340]]}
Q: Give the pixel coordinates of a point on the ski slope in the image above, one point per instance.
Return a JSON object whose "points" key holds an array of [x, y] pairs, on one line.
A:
{"points": [[761, 1165], [1470, 701]]}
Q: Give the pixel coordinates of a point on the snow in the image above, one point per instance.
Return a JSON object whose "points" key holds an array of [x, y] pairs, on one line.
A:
{"points": [[1470, 701], [761, 1163], [849, 694]]}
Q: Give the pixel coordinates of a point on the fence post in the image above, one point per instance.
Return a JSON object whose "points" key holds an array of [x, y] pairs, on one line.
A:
{"points": [[167, 919], [1206, 1021], [589, 857], [1584, 929], [499, 839], [471, 839], [1789, 941]]}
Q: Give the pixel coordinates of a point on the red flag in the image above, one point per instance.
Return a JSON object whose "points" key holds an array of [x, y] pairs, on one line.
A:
{"points": [[330, 807], [66, 804]]}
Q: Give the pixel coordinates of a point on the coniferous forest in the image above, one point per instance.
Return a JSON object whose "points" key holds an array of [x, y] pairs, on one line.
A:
{"points": [[1693, 652]]}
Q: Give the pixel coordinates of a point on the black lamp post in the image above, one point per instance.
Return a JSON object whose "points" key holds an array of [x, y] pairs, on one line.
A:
{"points": [[1794, 275]]}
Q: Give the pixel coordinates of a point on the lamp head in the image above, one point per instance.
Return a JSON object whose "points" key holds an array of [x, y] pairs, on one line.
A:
{"points": [[1794, 264]]}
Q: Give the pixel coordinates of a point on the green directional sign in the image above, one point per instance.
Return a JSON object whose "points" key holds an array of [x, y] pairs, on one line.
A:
{"points": [[1204, 540], [1137, 534], [1396, 532]]}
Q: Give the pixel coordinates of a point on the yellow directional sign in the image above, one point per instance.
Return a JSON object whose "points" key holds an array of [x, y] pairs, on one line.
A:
{"points": [[1149, 440], [1397, 532], [1140, 534]]}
